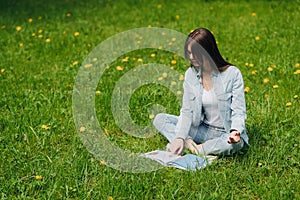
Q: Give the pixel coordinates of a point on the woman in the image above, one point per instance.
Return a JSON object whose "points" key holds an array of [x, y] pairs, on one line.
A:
{"points": [[213, 113]]}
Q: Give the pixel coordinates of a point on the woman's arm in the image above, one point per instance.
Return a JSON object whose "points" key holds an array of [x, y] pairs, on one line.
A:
{"points": [[185, 118], [186, 114], [238, 105]]}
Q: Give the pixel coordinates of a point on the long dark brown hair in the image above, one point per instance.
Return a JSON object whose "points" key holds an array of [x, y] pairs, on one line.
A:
{"points": [[207, 41]]}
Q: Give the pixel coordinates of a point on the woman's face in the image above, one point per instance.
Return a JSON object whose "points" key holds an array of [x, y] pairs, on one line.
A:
{"points": [[194, 61]]}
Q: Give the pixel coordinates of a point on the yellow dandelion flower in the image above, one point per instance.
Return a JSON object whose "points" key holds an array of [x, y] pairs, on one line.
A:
{"points": [[173, 83], [253, 14], [65, 32], [138, 42], [76, 34], [82, 129], [254, 72], [251, 65], [40, 17], [246, 64], [172, 67], [295, 96], [297, 71], [275, 86], [179, 92], [149, 26], [160, 78], [21, 44], [45, 127], [102, 162], [119, 68], [160, 47], [140, 60], [48, 40], [125, 59], [270, 69], [151, 116], [75, 63], [2, 70], [40, 36], [165, 74], [217, 42], [257, 38], [288, 104], [173, 62], [266, 80], [246, 89], [30, 20], [181, 77], [107, 67], [266, 96], [33, 34], [40, 31], [259, 164], [159, 6], [68, 14], [110, 198], [88, 65], [152, 55], [98, 92], [18, 28], [177, 16], [297, 65], [38, 177]]}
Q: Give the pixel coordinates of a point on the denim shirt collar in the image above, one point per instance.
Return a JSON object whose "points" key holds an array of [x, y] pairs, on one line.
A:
{"points": [[197, 80], [198, 73]]}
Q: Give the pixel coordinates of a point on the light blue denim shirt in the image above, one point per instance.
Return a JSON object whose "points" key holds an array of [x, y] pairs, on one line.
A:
{"points": [[229, 88]]}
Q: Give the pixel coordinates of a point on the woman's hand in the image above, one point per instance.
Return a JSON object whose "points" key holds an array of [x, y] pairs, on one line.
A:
{"points": [[192, 146], [176, 146], [234, 137]]}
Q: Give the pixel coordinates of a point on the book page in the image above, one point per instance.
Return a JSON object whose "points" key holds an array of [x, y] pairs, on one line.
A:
{"points": [[163, 157]]}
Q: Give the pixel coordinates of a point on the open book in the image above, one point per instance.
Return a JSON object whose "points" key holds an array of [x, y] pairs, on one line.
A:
{"points": [[186, 162]]}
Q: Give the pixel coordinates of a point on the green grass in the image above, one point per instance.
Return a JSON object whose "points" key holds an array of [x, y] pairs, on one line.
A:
{"points": [[37, 80]]}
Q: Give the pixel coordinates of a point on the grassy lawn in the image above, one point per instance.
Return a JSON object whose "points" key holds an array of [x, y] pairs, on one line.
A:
{"points": [[42, 46]]}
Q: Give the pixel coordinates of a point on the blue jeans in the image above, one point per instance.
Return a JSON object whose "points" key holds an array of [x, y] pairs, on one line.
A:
{"points": [[213, 140]]}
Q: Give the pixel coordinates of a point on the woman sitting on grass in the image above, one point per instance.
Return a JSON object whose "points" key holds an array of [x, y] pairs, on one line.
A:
{"points": [[213, 113]]}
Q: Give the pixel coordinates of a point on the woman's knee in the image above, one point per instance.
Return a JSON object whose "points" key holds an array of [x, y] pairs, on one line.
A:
{"points": [[220, 146], [163, 120], [230, 149], [159, 120]]}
